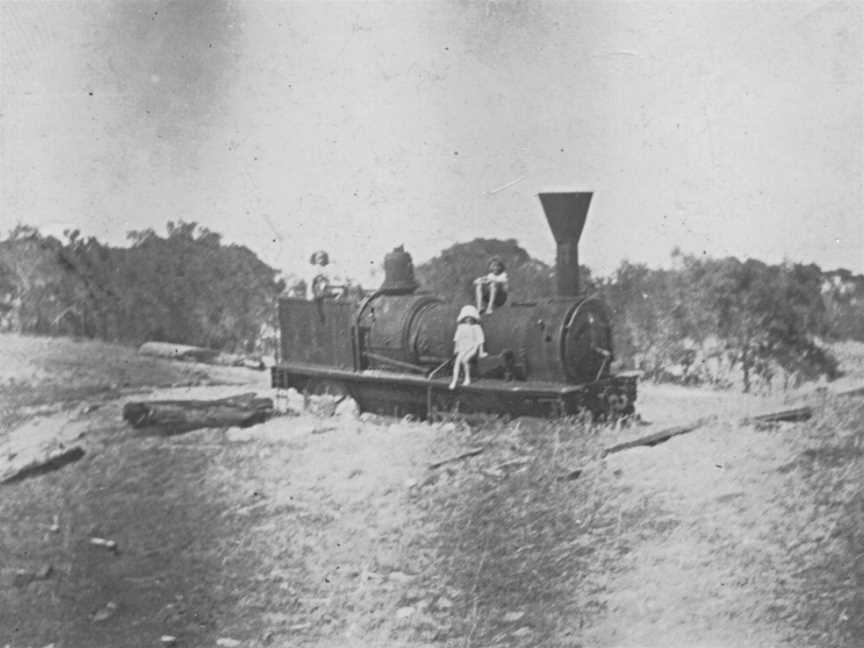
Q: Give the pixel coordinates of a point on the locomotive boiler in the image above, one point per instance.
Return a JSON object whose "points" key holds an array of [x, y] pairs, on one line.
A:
{"points": [[392, 350]]}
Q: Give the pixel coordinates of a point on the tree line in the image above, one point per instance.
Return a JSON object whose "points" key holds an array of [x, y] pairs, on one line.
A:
{"points": [[184, 287], [729, 322]]}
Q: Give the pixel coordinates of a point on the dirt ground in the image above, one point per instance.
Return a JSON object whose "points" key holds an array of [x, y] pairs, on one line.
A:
{"points": [[324, 528]]}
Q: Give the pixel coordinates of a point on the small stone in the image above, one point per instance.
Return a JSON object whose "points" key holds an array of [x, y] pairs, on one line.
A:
{"points": [[347, 408], [23, 577], [413, 594], [400, 577], [513, 617], [106, 612], [168, 640], [443, 603], [404, 612], [410, 483], [227, 642], [102, 542], [524, 631]]}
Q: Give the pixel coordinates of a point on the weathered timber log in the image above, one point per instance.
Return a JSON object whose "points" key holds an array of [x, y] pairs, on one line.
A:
{"points": [[472, 452], [658, 437], [855, 391], [792, 415], [49, 460], [172, 417]]}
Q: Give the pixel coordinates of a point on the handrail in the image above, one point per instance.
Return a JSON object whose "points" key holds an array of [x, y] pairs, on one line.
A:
{"points": [[429, 385], [395, 363]]}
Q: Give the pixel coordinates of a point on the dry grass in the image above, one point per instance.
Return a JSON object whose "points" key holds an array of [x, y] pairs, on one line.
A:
{"points": [[39, 373], [319, 530]]}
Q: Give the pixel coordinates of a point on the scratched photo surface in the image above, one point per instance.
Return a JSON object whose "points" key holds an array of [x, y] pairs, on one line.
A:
{"points": [[422, 323]]}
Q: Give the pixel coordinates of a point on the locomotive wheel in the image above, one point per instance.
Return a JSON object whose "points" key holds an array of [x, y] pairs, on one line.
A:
{"points": [[316, 387], [618, 406]]}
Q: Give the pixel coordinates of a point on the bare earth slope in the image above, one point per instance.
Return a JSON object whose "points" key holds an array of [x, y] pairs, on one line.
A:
{"points": [[322, 528]]}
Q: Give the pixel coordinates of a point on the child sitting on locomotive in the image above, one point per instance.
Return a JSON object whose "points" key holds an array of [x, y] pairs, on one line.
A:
{"points": [[467, 343], [323, 280], [491, 288]]}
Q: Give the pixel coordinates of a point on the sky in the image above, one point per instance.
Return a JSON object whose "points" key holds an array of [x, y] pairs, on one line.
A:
{"points": [[722, 129]]}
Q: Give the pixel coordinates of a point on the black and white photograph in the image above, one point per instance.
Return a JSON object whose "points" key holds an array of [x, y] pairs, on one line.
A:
{"points": [[431, 324]]}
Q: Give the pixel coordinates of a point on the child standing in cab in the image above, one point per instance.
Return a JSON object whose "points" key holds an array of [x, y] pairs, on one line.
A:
{"points": [[491, 289], [467, 343]]}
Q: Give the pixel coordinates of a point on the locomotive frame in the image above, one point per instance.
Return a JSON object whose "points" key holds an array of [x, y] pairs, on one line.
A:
{"points": [[391, 351]]}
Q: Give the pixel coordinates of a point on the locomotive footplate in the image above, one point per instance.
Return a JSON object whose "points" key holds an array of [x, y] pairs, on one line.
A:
{"points": [[398, 394]]}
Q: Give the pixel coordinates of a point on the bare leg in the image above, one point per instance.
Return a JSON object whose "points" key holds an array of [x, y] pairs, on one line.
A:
{"points": [[456, 368], [493, 287], [467, 363], [478, 293]]}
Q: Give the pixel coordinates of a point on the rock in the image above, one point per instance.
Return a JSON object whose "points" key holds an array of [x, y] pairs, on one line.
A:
{"points": [[412, 595], [227, 642], [111, 545], [400, 577], [513, 617], [23, 577], [404, 612], [347, 408], [168, 640], [453, 592], [524, 631], [106, 612], [443, 603]]}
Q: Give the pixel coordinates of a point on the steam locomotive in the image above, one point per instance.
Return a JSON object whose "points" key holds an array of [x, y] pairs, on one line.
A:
{"points": [[392, 350]]}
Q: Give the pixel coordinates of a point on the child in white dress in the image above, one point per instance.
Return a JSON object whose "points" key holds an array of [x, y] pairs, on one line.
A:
{"points": [[467, 343]]}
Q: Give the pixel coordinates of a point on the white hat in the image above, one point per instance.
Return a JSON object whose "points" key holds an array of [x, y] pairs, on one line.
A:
{"points": [[468, 311]]}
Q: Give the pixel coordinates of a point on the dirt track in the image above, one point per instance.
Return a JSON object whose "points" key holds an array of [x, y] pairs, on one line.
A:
{"points": [[328, 530]]}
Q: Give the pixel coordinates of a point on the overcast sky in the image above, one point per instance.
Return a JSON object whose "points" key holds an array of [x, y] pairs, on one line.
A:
{"points": [[723, 128]]}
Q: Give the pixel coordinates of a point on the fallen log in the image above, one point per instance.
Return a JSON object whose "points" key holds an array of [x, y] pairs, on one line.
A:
{"points": [[658, 437], [47, 461], [855, 391], [794, 415], [468, 453], [791, 415], [175, 416]]}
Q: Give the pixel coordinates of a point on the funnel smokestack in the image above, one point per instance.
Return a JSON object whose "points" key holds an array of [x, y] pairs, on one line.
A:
{"points": [[566, 214]]}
